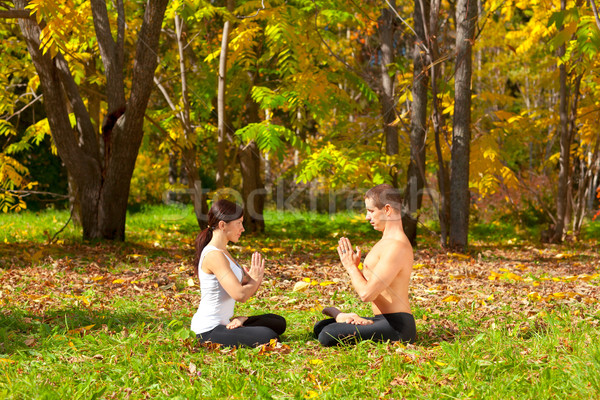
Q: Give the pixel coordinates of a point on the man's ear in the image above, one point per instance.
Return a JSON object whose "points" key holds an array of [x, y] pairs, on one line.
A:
{"points": [[388, 210]]}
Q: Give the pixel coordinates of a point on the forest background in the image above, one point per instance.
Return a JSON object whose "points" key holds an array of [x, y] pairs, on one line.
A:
{"points": [[478, 111], [484, 113]]}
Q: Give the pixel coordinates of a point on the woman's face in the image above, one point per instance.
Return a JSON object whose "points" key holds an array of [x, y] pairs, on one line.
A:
{"points": [[234, 229]]}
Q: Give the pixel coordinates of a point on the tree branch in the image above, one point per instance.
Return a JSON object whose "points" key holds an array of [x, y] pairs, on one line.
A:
{"points": [[337, 57], [164, 132], [24, 193], [255, 14], [595, 10], [165, 93], [24, 107], [87, 140], [109, 52], [9, 14]]}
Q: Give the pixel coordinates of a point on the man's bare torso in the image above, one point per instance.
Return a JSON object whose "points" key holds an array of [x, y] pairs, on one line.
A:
{"points": [[394, 298]]}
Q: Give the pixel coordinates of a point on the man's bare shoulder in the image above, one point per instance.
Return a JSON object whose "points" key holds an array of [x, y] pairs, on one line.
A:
{"points": [[392, 246]]}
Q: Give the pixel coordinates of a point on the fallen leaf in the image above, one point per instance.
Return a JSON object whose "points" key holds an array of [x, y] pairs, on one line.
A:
{"points": [[452, 297], [534, 296], [459, 256], [326, 283], [300, 286]]}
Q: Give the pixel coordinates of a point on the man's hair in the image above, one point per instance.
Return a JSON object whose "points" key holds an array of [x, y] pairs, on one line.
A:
{"points": [[385, 194]]}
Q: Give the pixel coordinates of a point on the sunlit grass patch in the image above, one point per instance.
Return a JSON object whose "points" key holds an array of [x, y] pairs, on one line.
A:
{"points": [[591, 230]]}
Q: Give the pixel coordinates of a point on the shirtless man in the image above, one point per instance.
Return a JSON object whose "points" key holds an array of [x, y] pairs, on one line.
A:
{"points": [[383, 281]]}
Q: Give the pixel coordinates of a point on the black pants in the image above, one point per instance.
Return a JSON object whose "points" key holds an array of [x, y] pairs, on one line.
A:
{"points": [[257, 330], [393, 327]]}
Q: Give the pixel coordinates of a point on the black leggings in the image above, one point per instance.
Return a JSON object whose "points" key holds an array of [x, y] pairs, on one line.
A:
{"points": [[393, 327], [257, 330]]}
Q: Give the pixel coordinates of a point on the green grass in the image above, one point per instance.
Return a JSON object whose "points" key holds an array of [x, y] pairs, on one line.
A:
{"points": [[591, 230], [104, 321], [42, 225], [160, 222], [139, 355]]}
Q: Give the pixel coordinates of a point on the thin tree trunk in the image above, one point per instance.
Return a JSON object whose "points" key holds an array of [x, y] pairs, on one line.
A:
{"points": [[466, 15], [413, 195], [565, 148], [595, 11], [188, 152], [572, 208], [388, 109], [253, 190], [595, 181], [439, 125], [580, 199], [221, 97]]}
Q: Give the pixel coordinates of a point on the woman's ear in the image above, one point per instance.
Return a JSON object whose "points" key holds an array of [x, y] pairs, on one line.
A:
{"points": [[221, 224]]}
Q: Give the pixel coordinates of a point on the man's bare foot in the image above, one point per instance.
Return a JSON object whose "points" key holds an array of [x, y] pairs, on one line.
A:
{"points": [[352, 318]]}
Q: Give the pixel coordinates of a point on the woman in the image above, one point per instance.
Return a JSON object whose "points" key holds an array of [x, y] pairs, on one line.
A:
{"points": [[223, 282]]}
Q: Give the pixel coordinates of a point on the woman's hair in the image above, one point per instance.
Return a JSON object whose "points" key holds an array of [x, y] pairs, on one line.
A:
{"points": [[385, 194], [221, 210]]}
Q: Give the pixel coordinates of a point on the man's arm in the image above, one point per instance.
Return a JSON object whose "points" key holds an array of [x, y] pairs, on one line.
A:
{"points": [[390, 263], [332, 312]]}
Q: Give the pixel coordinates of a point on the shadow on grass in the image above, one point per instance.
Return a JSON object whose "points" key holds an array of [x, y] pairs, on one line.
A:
{"points": [[542, 253], [23, 255], [19, 331], [433, 332]]}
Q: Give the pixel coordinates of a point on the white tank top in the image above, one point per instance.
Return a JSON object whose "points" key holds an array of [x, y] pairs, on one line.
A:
{"points": [[216, 306]]}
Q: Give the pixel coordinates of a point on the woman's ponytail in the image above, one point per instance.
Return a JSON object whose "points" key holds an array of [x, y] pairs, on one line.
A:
{"points": [[203, 238]]}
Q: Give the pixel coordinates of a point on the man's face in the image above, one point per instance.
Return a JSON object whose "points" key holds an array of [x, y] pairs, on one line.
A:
{"points": [[375, 216]]}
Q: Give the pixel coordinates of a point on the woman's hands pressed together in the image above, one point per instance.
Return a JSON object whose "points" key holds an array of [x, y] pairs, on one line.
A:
{"points": [[257, 268]]}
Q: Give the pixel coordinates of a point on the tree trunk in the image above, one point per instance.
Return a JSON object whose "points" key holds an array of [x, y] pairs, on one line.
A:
{"points": [[74, 205], [253, 190], [413, 195], [576, 209], [103, 182], [595, 180], [466, 15], [386, 97], [439, 125], [221, 96], [565, 148], [188, 153]]}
